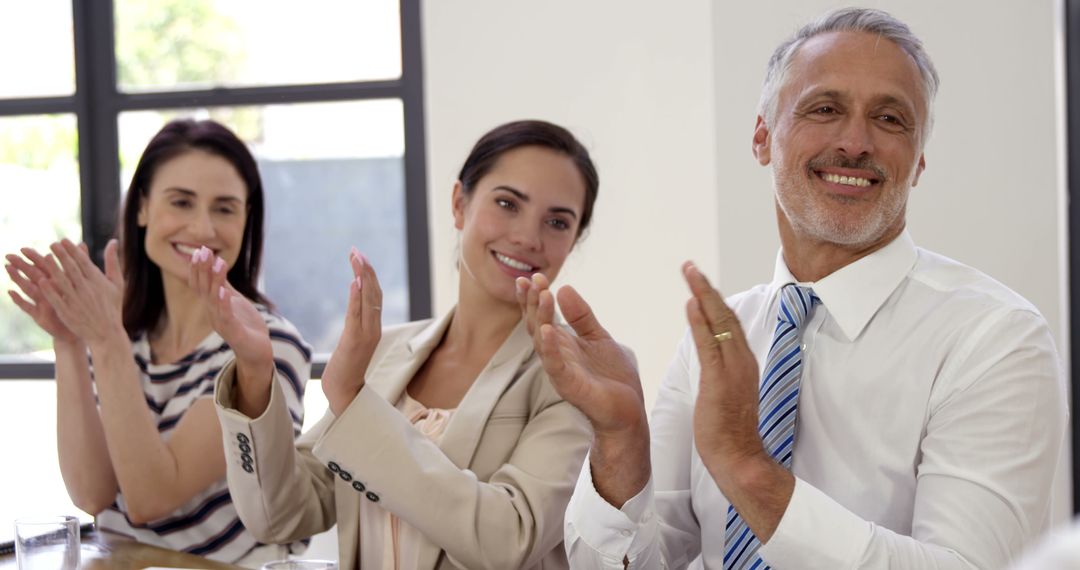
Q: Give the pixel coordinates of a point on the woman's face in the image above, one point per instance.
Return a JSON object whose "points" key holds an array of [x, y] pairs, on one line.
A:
{"points": [[521, 218], [195, 199]]}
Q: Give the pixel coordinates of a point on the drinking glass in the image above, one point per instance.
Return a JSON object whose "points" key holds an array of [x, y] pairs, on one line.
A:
{"points": [[47, 543]]}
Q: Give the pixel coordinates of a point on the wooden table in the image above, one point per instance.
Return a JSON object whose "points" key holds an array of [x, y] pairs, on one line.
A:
{"points": [[107, 551]]}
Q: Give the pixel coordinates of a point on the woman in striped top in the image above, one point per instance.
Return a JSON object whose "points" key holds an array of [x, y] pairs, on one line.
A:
{"points": [[139, 443]]}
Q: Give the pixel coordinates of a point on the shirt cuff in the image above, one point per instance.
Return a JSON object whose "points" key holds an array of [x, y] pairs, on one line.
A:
{"points": [[816, 532], [612, 532]]}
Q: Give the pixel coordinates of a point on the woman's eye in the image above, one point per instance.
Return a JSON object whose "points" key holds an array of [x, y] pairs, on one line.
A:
{"points": [[226, 211], [181, 203], [505, 203], [559, 224]]}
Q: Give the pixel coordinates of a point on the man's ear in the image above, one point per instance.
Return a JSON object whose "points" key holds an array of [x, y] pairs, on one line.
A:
{"points": [[761, 142], [458, 201], [919, 168]]}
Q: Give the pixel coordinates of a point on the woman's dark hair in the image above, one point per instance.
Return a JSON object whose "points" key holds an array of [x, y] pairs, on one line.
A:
{"points": [[144, 294], [530, 133]]}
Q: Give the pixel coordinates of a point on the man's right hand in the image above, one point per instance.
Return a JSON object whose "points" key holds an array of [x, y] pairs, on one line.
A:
{"points": [[598, 377]]}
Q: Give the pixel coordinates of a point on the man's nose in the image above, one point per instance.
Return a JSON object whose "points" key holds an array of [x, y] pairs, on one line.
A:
{"points": [[855, 138]]}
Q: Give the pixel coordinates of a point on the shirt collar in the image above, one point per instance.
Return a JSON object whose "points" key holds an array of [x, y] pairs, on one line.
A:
{"points": [[855, 292]]}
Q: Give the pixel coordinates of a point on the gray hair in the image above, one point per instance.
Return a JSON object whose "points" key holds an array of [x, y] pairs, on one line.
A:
{"points": [[849, 20]]}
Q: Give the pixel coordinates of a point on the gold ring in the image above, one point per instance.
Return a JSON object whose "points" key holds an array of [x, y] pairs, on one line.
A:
{"points": [[721, 337]]}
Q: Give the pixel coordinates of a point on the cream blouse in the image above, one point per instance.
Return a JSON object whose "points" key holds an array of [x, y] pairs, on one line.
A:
{"points": [[400, 539]]}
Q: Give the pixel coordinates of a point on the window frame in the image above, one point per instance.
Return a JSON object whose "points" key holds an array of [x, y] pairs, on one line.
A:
{"points": [[1071, 18], [98, 102]]}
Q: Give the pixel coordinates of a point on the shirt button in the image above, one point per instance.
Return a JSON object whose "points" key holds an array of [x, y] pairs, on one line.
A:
{"points": [[803, 347]]}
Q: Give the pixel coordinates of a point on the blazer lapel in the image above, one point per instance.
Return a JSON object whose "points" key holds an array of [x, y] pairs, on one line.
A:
{"points": [[393, 372], [466, 425], [462, 434]]}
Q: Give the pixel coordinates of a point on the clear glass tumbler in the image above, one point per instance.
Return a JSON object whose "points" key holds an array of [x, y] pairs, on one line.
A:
{"points": [[47, 543]]}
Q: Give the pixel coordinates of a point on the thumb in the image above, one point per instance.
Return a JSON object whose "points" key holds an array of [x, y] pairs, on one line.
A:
{"points": [[112, 263], [578, 314]]}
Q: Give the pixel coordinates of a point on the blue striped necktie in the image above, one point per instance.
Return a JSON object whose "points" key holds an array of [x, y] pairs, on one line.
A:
{"points": [[776, 412]]}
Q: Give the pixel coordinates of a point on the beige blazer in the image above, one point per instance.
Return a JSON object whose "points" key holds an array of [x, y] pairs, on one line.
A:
{"points": [[492, 494]]}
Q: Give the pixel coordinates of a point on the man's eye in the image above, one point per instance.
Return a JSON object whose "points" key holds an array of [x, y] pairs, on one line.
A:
{"points": [[824, 110]]}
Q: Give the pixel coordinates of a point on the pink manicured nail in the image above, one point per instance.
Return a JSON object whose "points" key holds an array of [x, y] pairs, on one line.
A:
{"points": [[221, 292], [219, 265]]}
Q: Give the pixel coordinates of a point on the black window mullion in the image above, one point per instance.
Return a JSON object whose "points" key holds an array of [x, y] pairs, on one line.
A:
{"points": [[96, 108], [37, 106], [269, 95], [416, 216], [1072, 79]]}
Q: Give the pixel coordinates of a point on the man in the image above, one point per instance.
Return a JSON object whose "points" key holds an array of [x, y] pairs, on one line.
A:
{"points": [[909, 410]]}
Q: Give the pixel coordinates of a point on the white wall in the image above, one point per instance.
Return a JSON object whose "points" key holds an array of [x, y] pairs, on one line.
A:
{"points": [[634, 81], [664, 95]]}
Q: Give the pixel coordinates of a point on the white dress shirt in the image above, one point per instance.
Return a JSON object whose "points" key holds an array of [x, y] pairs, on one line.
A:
{"points": [[930, 419]]}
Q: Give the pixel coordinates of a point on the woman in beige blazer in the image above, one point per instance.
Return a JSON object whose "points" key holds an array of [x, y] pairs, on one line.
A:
{"points": [[445, 445]]}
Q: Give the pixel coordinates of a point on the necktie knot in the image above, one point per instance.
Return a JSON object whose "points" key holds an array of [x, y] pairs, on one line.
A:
{"points": [[796, 305]]}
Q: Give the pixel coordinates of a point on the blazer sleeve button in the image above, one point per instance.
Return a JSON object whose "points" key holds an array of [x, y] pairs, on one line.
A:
{"points": [[358, 486], [249, 468], [245, 458], [372, 497], [345, 476], [333, 467], [242, 438], [245, 448]]}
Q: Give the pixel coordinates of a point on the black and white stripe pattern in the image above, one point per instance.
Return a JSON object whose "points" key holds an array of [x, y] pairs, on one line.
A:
{"points": [[208, 524]]}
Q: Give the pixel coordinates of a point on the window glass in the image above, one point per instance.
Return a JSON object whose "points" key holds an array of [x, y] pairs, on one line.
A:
{"points": [[334, 177], [36, 40], [195, 44], [39, 190]]}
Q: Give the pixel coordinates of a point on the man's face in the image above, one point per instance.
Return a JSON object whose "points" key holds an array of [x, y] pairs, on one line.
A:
{"points": [[846, 139]]}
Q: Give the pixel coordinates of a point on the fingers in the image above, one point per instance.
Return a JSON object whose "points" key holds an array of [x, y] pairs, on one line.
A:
{"points": [[551, 356], [26, 306], [365, 294], [112, 263], [579, 315], [371, 296], [708, 348], [66, 252], [23, 275], [219, 289], [80, 254], [719, 318], [200, 273]]}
